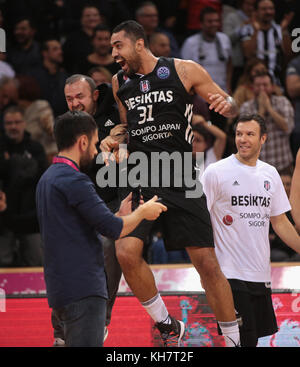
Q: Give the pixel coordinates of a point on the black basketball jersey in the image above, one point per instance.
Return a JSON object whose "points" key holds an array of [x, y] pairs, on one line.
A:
{"points": [[159, 110], [159, 114]]}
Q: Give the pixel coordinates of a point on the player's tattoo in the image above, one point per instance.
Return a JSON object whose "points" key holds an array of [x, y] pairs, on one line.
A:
{"points": [[182, 72]]}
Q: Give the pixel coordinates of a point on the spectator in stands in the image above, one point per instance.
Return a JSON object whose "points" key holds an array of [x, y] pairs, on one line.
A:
{"points": [[194, 9], [267, 40], [100, 75], [22, 162], [293, 90], [279, 115], [78, 44], [101, 54], [147, 15], [25, 54], [82, 94], [8, 92], [232, 24], [208, 139], [159, 44], [51, 77], [211, 49], [38, 114], [244, 90]]}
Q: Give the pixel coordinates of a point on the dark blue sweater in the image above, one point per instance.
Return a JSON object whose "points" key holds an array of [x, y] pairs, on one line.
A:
{"points": [[72, 217]]}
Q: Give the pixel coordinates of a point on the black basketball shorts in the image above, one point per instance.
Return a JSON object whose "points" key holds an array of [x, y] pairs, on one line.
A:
{"points": [[180, 227], [255, 312]]}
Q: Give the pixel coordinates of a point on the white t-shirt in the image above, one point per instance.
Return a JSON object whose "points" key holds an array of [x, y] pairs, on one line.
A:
{"points": [[215, 67], [210, 158], [241, 199]]}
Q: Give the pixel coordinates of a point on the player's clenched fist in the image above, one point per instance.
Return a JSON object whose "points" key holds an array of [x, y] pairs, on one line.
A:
{"points": [[225, 106]]}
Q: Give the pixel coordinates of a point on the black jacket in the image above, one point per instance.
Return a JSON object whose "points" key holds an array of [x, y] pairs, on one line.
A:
{"points": [[107, 114], [20, 174], [106, 117]]}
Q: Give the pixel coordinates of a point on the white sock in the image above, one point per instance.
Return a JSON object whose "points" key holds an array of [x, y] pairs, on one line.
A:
{"points": [[231, 333], [157, 309]]}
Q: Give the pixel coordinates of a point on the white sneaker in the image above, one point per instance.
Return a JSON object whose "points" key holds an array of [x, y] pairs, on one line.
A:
{"points": [[105, 333], [58, 342]]}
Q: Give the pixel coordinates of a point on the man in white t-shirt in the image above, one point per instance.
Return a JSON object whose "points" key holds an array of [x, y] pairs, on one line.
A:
{"points": [[211, 49], [244, 195]]}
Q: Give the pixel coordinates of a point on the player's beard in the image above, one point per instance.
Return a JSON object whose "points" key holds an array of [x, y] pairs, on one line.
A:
{"points": [[86, 162], [133, 65]]}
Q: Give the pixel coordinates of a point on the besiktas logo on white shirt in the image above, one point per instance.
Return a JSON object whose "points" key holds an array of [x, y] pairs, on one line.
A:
{"points": [[250, 200]]}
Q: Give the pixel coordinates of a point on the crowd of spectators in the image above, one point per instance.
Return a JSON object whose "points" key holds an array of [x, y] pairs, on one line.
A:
{"points": [[245, 45]]}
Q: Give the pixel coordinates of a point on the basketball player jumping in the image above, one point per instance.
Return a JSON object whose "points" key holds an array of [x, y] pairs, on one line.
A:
{"points": [[155, 95]]}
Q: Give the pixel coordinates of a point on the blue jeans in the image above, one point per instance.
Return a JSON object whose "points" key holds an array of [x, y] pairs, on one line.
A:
{"points": [[83, 322], [159, 255]]}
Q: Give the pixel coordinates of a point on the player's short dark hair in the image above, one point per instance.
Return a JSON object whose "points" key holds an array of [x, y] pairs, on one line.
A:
{"points": [[70, 126], [133, 30], [205, 11], [249, 117]]}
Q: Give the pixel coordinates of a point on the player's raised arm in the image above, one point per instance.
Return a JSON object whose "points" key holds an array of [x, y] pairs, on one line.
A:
{"points": [[195, 78]]}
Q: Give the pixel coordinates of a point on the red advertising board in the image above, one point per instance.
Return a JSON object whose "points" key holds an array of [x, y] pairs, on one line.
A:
{"points": [[26, 322]]}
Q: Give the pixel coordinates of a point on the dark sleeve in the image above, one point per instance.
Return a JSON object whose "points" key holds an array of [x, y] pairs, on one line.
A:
{"points": [[4, 163], [82, 195], [39, 154]]}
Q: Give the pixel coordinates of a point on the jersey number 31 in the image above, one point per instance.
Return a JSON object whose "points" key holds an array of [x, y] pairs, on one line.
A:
{"points": [[145, 114]]}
